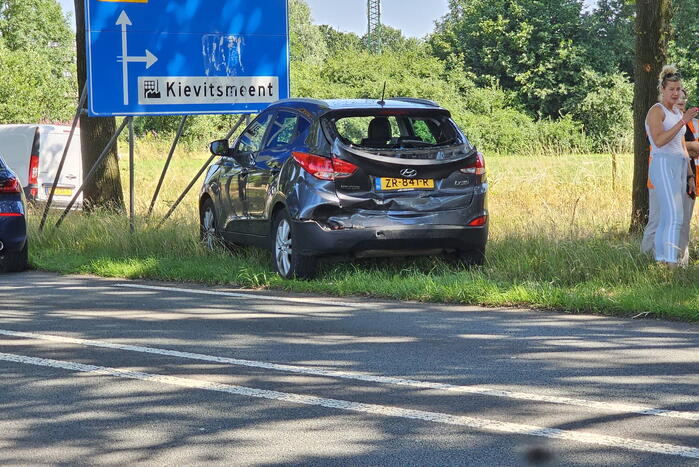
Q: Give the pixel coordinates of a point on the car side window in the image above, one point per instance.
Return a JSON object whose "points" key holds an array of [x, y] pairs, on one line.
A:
{"points": [[284, 129], [252, 138]]}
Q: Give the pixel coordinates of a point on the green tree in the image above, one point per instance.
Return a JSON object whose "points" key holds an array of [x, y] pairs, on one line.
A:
{"points": [[337, 41], [605, 111], [307, 40], [533, 47], [684, 43], [488, 116], [29, 91], [34, 25], [36, 62], [610, 36], [392, 39]]}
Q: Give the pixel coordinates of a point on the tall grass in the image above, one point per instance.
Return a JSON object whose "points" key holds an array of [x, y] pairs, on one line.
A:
{"points": [[558, 239]]}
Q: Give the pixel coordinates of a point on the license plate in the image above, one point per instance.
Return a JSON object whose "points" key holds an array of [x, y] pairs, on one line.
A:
{"points": [[388, 184], [60, 191]]}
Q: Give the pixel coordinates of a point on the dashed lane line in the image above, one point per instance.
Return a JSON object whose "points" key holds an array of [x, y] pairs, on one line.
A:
{"points": [[380, 410], [477, 390]]}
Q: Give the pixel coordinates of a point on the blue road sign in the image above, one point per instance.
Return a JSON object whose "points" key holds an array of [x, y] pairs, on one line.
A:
{"points": [[176, 57]]}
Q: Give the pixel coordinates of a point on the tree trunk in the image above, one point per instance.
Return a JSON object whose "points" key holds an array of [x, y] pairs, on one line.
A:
{"points": [[652, 32], [104, 190]]}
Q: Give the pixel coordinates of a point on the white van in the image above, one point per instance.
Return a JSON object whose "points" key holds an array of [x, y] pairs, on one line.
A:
{"points": [[34, 153]]}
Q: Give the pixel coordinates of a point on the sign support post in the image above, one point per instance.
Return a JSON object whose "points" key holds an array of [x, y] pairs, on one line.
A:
{"points": [[132, 191], [180, 130], [59, 171]]}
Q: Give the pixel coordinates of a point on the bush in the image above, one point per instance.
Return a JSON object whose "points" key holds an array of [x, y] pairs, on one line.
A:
{"points": [[494, 124], [562, 136], [503, 131], [606, 111]]}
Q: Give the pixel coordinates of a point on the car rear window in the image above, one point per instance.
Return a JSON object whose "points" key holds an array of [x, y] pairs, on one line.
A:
{"points": [[394, 129]]}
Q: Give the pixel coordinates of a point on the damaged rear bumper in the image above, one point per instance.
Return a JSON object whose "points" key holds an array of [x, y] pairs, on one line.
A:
{"points": [[412, 235]]}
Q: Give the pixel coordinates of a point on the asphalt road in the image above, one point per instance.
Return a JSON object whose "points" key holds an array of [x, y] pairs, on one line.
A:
{"points": [[102, 371]]}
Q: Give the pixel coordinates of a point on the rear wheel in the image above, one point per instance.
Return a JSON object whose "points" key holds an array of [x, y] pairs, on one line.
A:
{"points": [[15, 262], [474, 257], [287, 261]]}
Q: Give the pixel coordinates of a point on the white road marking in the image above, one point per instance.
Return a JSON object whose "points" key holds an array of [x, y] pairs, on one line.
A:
{"points": [[244, 295], [479, 390], [381, 410]]}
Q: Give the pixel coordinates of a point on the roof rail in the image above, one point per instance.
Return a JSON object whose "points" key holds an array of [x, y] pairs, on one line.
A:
{"points": [[416, 100], [308, 100]]}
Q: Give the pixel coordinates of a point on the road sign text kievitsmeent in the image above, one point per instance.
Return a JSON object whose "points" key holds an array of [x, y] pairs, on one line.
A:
{"points": [[159, 57]]}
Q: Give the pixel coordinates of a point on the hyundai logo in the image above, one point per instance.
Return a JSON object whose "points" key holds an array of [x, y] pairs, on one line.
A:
{"points": [[409, 173]]}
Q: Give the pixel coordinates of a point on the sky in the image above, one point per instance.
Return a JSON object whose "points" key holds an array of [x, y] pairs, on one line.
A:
{"points": [[411, 16]]}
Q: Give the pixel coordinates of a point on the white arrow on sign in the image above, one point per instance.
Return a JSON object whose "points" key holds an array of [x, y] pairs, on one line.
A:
{"points": [[149, 59]]}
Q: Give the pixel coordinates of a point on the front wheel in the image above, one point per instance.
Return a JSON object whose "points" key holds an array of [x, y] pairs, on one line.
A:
{"points": [[287, 261], [208, 235], [15, 262]]}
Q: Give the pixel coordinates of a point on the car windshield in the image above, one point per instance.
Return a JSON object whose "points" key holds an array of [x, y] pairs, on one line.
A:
{"points": [[395, 129]]}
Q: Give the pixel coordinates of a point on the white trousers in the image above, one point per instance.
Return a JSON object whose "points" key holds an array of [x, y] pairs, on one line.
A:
{"points": [[648, 242], [667, 232]]}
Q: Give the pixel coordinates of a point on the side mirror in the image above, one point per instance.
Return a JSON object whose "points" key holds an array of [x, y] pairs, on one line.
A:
{"points": [[219, 147]]}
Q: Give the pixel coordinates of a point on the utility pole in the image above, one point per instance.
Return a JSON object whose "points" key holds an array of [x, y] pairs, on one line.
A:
{"points": [[374, 25]]}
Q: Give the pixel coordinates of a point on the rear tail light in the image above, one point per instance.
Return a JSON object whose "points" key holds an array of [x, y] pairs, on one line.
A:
{"points": [[10, 185], [324, 168], [33, 175], [478, 221], [477, 168]]}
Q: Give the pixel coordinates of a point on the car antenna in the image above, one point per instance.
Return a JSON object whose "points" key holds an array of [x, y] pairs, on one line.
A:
{"points": [[382, 102]]}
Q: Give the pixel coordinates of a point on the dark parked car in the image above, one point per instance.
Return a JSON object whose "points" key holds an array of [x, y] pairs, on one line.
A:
{"points": [[310, 178], [13, 226]]}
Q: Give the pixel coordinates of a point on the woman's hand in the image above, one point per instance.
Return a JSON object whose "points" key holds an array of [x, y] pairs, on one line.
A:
{"points": [[692, 187], [693, 148], [691, 182], [690, 114]]}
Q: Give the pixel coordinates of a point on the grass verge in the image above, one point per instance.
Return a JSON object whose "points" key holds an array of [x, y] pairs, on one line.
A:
{"points": [[604, 274], [558, 241]]}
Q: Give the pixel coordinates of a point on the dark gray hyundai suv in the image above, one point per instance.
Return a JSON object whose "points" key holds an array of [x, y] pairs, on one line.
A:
{"points": [[311, 178]]}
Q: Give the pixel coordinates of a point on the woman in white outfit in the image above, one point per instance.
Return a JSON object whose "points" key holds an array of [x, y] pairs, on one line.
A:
{"points": [[665, 126], [691, 137]]}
